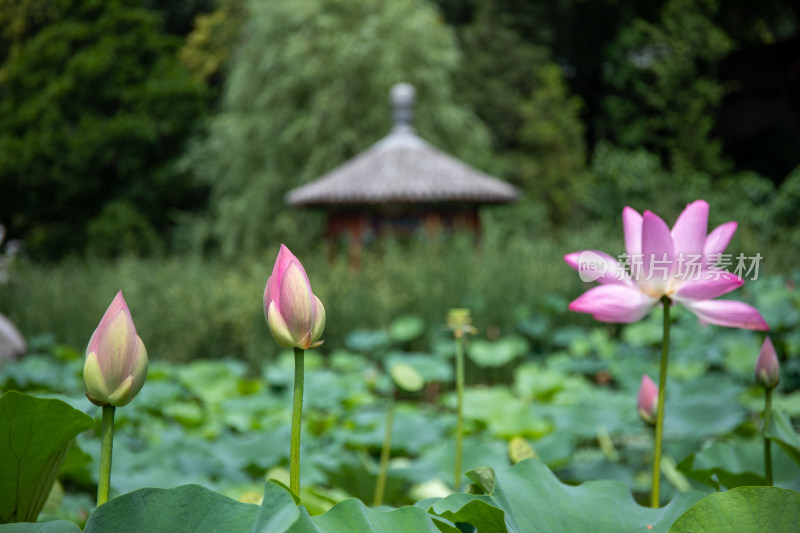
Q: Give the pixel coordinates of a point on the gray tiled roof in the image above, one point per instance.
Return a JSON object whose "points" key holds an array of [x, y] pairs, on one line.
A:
{"points": [[402, 167]]}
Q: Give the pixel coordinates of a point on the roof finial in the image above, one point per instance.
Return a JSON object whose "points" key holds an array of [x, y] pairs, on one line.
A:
{"points": [[403, 97]]}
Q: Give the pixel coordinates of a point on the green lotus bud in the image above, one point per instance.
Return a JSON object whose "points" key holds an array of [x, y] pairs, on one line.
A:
{"points": [[116, 360], [294, 314]]}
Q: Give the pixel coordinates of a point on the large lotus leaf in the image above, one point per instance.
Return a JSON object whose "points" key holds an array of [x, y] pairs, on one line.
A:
{"points": [[732, 465], [438, 461], [413, 430], [35, 435], [532, 381], [778, 309], [530, 499], [39, 372], [185, 509], [504, 414], [782, 432], [644, 333], [431, 367], [174, 457], [702, 407], [280, 514], [740, 462], [555, 448], [406, 377], [353, 515], [57, 526], [212, 380], [263, 449], [592, 410], [535, 327], [743, 510], [406, 328], [367, 341], [278, 510], [499, 352]]}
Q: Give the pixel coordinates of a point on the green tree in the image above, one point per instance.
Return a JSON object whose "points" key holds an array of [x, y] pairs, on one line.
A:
{"points": [[208, 47], [665, 93], [20, 19], [552, 162], [522, 95], [93, 110], [308, 88]]}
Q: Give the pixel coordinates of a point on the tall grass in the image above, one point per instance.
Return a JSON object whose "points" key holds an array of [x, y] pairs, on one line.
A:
{"points": [[187, 307]]}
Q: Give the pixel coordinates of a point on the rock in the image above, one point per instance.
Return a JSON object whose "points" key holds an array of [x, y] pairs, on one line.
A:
{"points": [[12, 343]]}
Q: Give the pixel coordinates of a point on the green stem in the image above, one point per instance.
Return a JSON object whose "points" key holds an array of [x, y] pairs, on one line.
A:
{"points": [[297, 413], [106, 445], [662, 386], [380, 484], [460, 408], [767, 442]]}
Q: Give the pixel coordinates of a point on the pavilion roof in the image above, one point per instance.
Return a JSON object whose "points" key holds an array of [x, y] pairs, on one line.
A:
{"points": [[400, 168]]}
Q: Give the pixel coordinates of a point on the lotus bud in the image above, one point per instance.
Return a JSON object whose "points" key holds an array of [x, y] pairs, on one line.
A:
{"points": [[768, 369], [116, 360], [647, 402], [295, 316]]}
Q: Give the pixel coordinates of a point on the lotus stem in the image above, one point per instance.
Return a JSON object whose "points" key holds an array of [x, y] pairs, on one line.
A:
{"points": [[106, 444], [767, 442], [386, 450], [459, 408], [662, 387], [297, 413]]}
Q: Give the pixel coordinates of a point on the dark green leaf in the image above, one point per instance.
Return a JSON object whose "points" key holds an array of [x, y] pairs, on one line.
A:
{"points": [[406, 377], [35, 435], [278, 510], [743, 510], [533, 500], [781, 431], [185, 509], [476, 510], [406, 328], [352, 515], [367, 341], [733, 466], [497, 353], [57, 526]]}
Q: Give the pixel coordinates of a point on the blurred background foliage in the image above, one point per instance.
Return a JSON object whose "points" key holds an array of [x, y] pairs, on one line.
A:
{"points": [[292, 111], [147, 145]]}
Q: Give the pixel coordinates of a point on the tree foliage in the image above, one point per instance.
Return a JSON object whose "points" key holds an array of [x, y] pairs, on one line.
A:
{"points": [[209, 46], [93, 109], [553, 159], [665, 90], [521, 94], [307, 89], [583, 105]]}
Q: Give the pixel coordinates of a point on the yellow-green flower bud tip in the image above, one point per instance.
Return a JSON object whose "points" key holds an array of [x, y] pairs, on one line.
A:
{"points": [[459, 321], [116, 359]]}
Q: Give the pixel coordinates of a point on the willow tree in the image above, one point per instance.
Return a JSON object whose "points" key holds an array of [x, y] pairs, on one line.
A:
{"points": [[308, 88]]}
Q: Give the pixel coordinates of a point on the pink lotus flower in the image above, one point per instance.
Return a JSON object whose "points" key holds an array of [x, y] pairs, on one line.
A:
{"points": [[768, 369], [647, 401], [294, 314], [116, 360], [678, 264]]}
